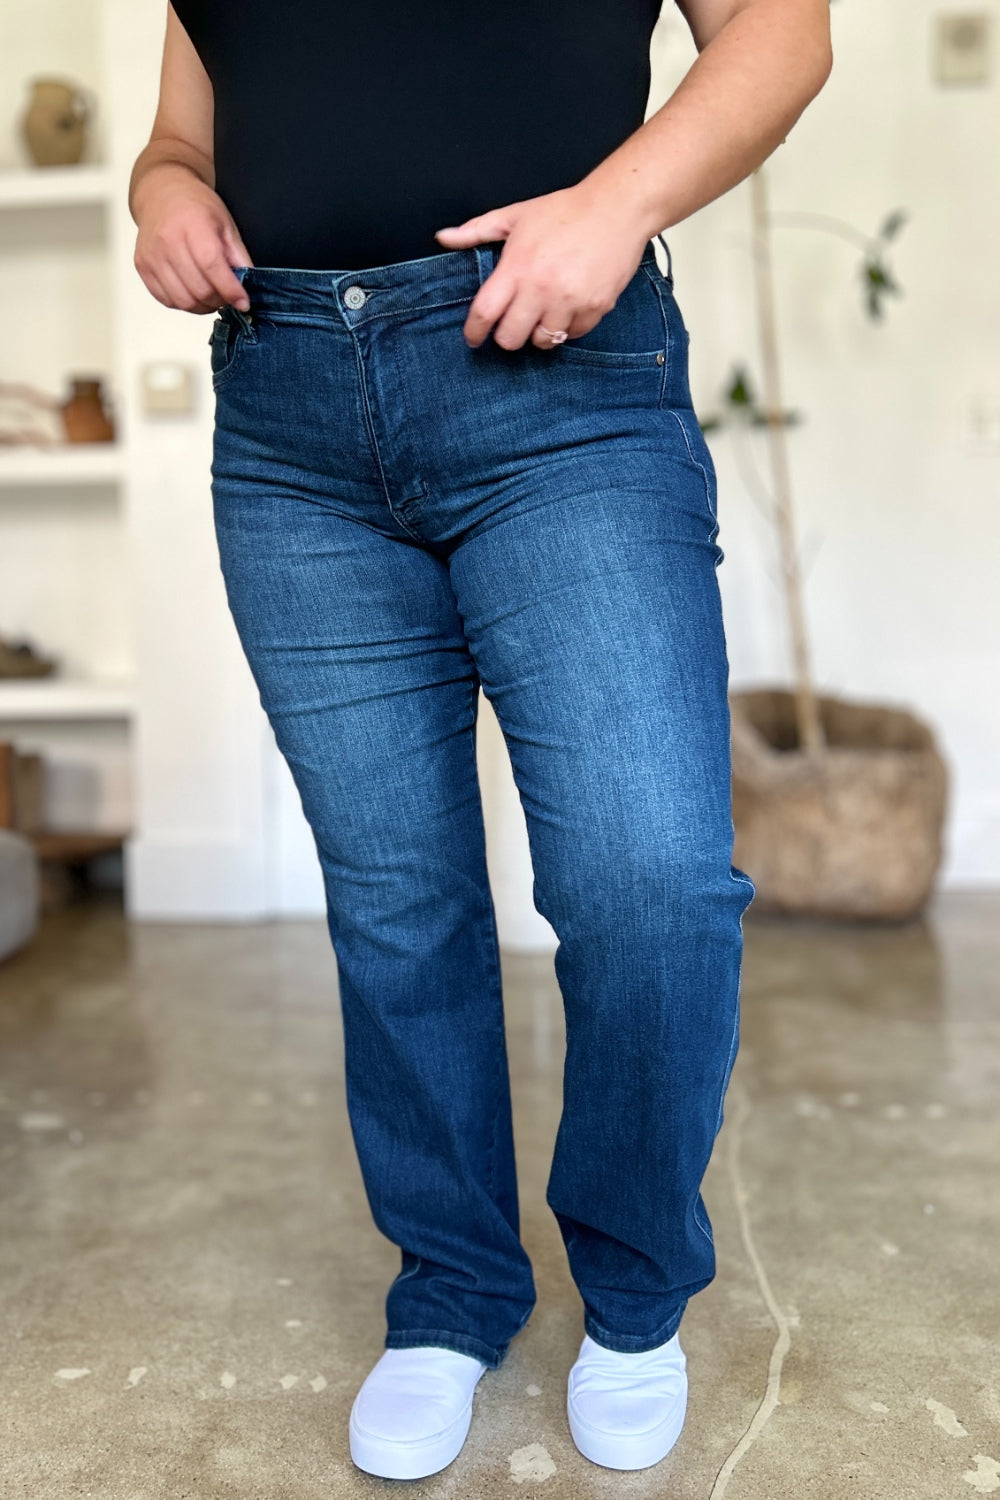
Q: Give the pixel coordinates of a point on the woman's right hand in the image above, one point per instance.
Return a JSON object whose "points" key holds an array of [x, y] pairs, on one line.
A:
{"points": [[187, 243]]}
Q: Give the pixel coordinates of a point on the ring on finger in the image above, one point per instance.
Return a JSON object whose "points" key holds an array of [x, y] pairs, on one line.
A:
{"points": [[557, 336]]}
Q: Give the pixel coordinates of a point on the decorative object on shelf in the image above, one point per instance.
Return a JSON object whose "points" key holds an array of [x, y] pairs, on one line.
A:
{"points": [[22, 789], [20, 659], [85, 416], [55, 122], [854, 832], [67, 860], [29, 416], [61, 862]]}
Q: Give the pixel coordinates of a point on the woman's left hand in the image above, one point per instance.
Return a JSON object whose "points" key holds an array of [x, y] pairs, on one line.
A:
{"points": [[567, 259]]}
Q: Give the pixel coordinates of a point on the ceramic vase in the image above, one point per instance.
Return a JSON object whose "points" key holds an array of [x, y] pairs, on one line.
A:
{"points": [[84, 416], [54, 124]]}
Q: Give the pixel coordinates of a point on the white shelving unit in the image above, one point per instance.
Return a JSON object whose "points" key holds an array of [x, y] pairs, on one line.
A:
{"points": [[57, 187], [84, 719], [69, 464], [53, 698], [108, 555]]}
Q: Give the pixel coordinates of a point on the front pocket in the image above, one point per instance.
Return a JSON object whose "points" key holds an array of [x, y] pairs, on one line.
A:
{"points": [[569, 353], [632, 335]]}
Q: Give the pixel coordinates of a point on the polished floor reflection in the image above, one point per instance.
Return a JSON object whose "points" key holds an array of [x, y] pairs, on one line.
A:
{"points": [[193, 1289]]}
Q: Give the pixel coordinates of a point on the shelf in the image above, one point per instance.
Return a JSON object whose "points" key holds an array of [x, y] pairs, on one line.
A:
{"points": [[55, 187], [66, 698], [67, 463], [73, 845]]}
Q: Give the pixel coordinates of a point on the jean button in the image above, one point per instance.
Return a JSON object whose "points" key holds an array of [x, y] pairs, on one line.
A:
{"points": [[355, 296]]}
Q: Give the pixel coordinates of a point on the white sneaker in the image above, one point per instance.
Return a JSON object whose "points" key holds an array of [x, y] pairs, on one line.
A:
{"points": [[626, 1411], [412, 1415]]}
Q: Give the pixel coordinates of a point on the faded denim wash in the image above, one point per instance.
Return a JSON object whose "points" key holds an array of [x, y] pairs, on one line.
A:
{"points": [[402, 519]]}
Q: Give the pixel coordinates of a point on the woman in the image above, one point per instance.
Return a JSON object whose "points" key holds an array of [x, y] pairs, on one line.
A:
{"points": [[453, 457]]}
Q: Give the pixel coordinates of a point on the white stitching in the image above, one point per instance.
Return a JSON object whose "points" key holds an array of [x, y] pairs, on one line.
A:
{"points": [[713, 512]]}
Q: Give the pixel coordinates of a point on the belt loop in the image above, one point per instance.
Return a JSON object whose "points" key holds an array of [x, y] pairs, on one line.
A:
{"points": [[670, 263], [487, 255], [245, 320]]}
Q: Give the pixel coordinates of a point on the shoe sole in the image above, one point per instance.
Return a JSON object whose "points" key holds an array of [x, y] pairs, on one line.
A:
{"points": [[409, 1460], [614, 1450]]}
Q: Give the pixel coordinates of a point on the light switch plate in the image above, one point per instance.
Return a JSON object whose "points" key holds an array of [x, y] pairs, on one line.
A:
{"points": [[963, 47], [166, 386], [983, 424]]}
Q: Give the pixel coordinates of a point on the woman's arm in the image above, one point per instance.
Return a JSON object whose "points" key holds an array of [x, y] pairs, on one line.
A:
{"points": [[187, 243], [569, 254], [760, 62]]}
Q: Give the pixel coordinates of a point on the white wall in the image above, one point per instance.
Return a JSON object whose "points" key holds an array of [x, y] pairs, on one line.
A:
{"points": [[898, 508]]}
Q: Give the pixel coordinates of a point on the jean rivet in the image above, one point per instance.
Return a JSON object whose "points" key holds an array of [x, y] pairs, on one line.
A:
{"points": [[660, 358]]}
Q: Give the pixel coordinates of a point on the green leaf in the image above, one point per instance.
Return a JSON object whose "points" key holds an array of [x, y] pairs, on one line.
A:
{"points": [[740, 392], [893, 224], [880, 276], [879, 282]]}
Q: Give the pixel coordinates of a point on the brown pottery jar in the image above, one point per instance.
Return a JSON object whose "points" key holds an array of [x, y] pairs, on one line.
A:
{"points": [[54, 124], [84, 416]]}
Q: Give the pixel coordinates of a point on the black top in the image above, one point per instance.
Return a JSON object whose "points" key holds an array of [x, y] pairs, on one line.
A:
{"points": [[346, 134]]}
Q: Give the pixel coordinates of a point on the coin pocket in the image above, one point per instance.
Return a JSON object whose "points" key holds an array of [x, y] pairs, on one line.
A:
{"points": [[231, 331]]}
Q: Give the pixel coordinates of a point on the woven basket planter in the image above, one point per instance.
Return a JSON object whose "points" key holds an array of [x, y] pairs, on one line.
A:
{"points": [[853, 831]]}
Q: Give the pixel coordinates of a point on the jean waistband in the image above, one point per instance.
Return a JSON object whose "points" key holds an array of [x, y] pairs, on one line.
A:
{"points": [[447, 276]]}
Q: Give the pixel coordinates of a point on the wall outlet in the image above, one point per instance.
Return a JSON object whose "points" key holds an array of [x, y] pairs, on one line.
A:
{"points": [[983, 424], [963, 48], [166, 386]]}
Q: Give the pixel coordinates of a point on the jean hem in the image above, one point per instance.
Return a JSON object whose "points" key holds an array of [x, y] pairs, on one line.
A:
{"points": [[632, 1343], [492, 1355]]}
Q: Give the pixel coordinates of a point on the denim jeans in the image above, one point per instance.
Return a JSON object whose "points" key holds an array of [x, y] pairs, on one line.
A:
{"points": [[402, 519]]}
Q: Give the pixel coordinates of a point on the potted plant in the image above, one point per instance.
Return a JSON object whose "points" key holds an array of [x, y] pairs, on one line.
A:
{"points": [[838, 806]]}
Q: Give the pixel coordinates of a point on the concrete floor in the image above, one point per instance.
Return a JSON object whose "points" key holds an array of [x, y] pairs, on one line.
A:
{"points": [[193, 1289]]}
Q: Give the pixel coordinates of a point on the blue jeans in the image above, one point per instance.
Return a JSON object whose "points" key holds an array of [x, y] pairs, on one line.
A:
{"points": [[402, 519]]}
